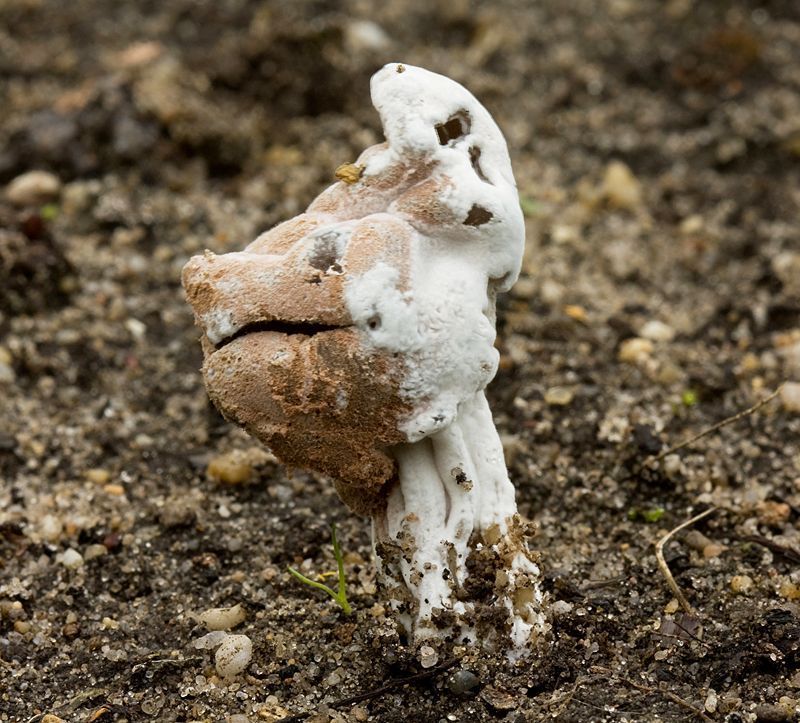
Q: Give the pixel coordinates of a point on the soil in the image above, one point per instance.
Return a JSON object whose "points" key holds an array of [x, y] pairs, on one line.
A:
{"points": [[657, 150]]}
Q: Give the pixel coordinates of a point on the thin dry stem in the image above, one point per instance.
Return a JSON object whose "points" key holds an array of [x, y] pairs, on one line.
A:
{"points": [[710, 430], [662, 563]]}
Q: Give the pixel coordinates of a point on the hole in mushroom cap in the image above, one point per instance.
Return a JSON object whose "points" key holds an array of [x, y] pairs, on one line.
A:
{"points": [[374, 322], [475, 157], [455, 127], [478, 216]]}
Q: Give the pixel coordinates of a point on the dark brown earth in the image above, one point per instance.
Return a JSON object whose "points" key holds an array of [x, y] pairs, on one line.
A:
{"points": [[178, 126]]}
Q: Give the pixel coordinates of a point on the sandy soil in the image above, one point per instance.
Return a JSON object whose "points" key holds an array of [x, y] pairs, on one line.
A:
{"points": [[657, 150]]}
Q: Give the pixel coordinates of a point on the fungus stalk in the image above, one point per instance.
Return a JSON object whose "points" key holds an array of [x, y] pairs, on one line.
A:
{"points": [[357, 339]]}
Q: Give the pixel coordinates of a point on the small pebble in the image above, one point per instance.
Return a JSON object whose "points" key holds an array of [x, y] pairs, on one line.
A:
{"points": [[223, 618], [94, 551], [50, 528], [773, 514], [7, 373], [211, 640], [71, 559], [50, 718], [696, 540], [774, 713], [561, 607], [790, 396], [713, 550], [741, 583], [559, 396], [463, 681], [229, 468], [620, 187], [573, 311], [98, 476], [657, 331], [233, 655], [711, 701], [428, 657], [635, 350], [789, 590], [33, 188], [366, 35]]}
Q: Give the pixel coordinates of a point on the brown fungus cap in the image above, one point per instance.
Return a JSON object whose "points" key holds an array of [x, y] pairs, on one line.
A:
{"points": [[366, 321]]}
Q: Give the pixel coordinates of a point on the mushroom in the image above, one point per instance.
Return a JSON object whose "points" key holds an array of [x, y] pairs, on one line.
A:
{"points": [[357, 338]]}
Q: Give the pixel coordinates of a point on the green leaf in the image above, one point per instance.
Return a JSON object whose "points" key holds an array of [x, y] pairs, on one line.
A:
{"points": [[340, 595]]}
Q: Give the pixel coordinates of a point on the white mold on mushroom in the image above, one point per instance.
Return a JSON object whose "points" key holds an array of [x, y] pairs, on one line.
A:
{"points": [[357, 340]]}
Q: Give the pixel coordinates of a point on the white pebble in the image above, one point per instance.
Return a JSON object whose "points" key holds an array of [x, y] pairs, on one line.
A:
{"points": [[366, 35], [559, 396], [50, 528], [223, 618], [656, 330], [427, 656], [210, 640], [790, 396], [71, 559], [635, 350], [741, 583], [32, 188], [561, 607], [233, 656]]}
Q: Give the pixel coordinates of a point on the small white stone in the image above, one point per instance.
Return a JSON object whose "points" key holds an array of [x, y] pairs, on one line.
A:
{"points": [[741, 583], [711, 701], [50, 528], [233, 655], [223, 618], [32, 188], [7, 374], [427, 656], [656, 330], [790, 396], [94, 551], [562, 607], [559, 396], [71, 559], [366, 35], [635, 350], [137, 328], [211, 640]]}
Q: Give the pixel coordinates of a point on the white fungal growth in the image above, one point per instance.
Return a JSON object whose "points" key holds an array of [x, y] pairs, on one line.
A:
{"points": [[454, 499], [357, 339]]}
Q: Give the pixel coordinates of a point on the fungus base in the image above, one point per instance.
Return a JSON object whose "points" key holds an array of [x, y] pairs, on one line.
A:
{"points": [[451, 548]]}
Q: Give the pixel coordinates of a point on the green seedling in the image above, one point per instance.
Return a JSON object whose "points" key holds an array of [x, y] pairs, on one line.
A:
{"points": [[653, 514], [340, 595], [689, 398], [49, 211]]}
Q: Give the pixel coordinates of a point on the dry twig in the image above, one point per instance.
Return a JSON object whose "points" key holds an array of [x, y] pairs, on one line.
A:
{"points": [[709, 430], [662, 563], [669, 695]]}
